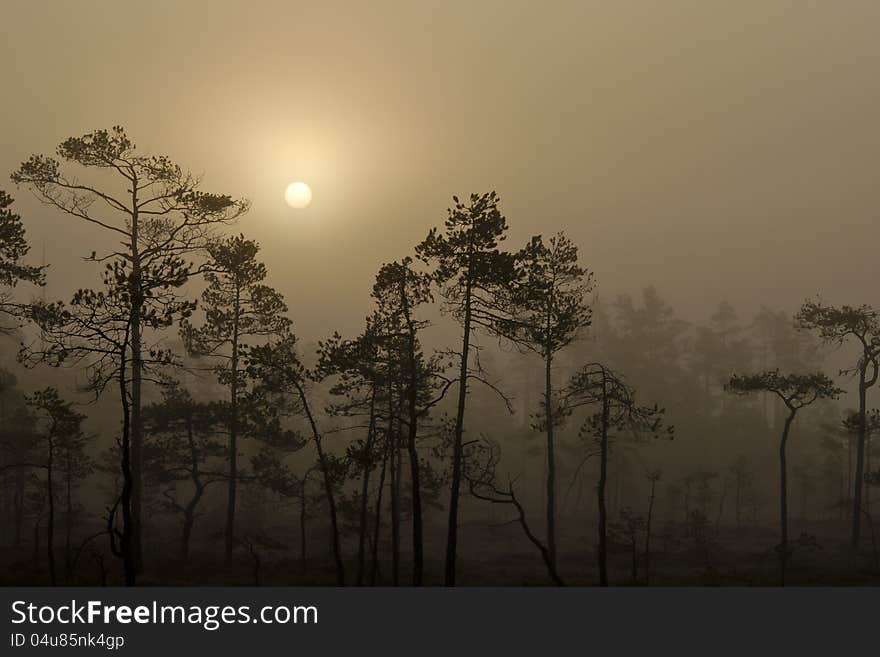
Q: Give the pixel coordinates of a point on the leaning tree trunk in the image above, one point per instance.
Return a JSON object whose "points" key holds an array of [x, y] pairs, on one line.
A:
{"points": [[545, 553], [328, 487]]}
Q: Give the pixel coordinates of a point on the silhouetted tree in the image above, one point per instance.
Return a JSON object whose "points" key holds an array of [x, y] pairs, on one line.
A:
{"points": [[240, 312], [399, 291], [472, 273], [157, 211], [653, 476], [480, 473], [58, 428], [837, 325], [94, 332], [550, 310], [780, 345], [280, 374], [13, 248], [361, 376], [796, 391], [18, 447], [256, 544], [627, 530], [181, 446], [596, 384], [873, 479], [75, 465], [852, 425], [270, 471], [718, 350], [835, 444]]}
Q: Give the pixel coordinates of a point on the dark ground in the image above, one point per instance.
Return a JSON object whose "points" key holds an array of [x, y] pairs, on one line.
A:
{"points": [[500, 556]]}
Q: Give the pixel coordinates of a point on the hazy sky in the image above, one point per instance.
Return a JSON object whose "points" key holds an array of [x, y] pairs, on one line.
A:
{"points": [[715, 149]]}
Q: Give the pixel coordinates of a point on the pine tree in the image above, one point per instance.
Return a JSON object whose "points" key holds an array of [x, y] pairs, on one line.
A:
{"points": [[160, 215], [472, 274], [240, 312]]}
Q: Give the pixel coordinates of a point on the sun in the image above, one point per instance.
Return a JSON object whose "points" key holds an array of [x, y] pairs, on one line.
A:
{"points": [[298, 195]]}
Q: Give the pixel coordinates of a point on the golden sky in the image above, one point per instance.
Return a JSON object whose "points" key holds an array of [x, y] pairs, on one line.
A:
{"points": [[715, 149]]}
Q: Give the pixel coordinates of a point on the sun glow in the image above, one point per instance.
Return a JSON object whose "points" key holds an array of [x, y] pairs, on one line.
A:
{"points": [[298, 195]]}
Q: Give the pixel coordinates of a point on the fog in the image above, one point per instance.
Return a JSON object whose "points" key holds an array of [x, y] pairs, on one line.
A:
{"points": [[717, 150], [708, 159]]}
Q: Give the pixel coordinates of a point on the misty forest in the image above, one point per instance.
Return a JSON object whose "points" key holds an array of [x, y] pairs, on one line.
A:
{"points": [[496, 420]]}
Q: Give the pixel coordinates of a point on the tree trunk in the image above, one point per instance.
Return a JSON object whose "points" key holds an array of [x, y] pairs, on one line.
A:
{"points": [[412, 434], [303, 511], [37, 523], [125, 500], [188, 520], [455, 486], [635, 560], [328, 488], [737, 499], [395, 504], [18, 505], [648, 534], [189, 513], [721, 501], [374, 570], [868, 440], [860, 461], [783, 498], [603, 480], [136, 381], [545, 554], [50, 524], [849, 467], [233, 431], [551, 460], [415, 482], [365, 492], [68, 517]]}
